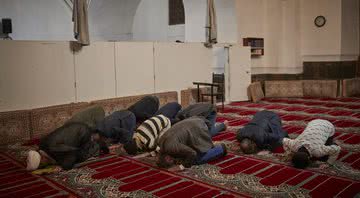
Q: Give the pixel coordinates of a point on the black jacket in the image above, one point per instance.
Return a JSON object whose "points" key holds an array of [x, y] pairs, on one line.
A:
{"points": [[70, 144], [118, 126], [145, 108], [265, 129]]}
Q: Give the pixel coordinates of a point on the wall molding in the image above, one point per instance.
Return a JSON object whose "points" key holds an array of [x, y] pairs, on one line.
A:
{"points": [[330, 57]]}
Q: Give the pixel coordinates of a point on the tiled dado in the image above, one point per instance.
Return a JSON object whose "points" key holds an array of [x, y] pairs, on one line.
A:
{"points": [[317, 71], [330, 70]]}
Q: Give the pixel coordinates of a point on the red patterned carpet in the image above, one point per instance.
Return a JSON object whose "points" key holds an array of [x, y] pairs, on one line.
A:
{"points": [[235, 175]]}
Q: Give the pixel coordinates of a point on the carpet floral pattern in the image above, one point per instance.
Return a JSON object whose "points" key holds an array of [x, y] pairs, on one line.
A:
{"points": [[236, 175]]}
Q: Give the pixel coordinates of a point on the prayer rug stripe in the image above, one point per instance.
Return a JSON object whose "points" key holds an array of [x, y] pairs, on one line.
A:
{"points": [[164, 183], [315, 182], [330, 188]]}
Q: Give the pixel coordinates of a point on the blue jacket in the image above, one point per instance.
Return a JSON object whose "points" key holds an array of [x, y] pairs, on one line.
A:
{"points": [[265, 129], [118, 126]]}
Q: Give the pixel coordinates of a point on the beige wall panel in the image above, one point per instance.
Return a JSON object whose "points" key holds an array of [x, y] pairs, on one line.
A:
{"points": [[35, 74], [178, 65], [134, 68], [95, 71]]}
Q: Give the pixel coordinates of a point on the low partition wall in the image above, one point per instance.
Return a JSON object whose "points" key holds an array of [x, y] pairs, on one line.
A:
{"points": [[301, 88], [23, 125], [294, 88], [351, 87]]}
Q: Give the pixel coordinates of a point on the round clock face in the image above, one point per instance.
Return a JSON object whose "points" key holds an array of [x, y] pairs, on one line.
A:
{"points": [[320, 21]]}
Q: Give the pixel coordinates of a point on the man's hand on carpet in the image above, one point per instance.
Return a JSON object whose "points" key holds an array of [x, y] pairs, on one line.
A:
{"points": [[324, 166], [177, 168], [116, 148], [263, 152], [142, 155]]}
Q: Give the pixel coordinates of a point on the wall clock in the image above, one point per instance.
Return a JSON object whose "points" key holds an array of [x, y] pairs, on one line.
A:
{"points": [[320, 21]]}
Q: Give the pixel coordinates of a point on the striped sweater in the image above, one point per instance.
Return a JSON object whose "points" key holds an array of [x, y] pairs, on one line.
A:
{"points": [[148, 133]]}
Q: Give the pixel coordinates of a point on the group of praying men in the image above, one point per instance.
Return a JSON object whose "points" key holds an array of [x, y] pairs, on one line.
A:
{"points": [[176, 135]]}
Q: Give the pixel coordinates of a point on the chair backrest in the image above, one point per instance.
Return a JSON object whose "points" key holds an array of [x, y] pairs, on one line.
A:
{"points": [[220, 79]]}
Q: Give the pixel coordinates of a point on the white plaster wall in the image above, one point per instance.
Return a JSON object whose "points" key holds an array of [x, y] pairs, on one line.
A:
{"points": [[112, 19], [151, 23], [276, 21], [52, 20], [195, 20], [176, 32], [250, 18], [290, 43], [38, 19], [250, 24], [350, 28], [226, 21], [273, 33], [324, 41]]}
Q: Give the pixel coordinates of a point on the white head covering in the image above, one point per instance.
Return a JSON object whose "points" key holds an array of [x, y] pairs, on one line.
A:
{"points": [[33, 160]]}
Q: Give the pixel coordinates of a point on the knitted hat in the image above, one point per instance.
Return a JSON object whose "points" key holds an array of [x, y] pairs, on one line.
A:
{"points": [[33, 160]]}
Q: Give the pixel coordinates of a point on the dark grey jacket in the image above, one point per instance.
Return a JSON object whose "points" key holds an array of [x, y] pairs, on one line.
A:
{"points": [[186, 139], [89, 116], [70, 144], [145, 108], [198, 109], [265, 129]]}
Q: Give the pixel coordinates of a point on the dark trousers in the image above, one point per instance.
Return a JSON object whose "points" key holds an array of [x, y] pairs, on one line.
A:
{"points": [[215, 128], [169, 110]]}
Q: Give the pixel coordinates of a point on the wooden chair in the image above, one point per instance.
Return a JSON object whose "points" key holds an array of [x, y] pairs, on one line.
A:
{"points": [[218, 81]]}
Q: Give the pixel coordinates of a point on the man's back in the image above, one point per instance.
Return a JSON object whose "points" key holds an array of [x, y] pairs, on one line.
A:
{"points": [[145, 108], [198, 109], [264, 129], [313, 137], [89, 116], [148, 132], [70, 144], [192, 132], [68, 137], [119, 119]]}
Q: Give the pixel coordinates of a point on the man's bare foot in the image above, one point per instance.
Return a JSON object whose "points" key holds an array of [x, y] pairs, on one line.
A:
{"points": [[226, 123], [263, 153], [176, 168]]}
